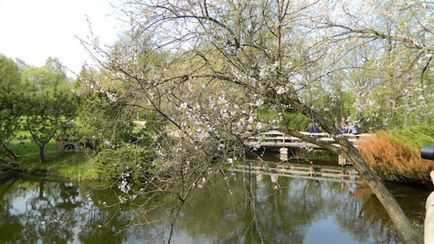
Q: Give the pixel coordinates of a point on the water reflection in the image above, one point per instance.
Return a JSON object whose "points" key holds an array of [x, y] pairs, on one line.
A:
{"points": [[54, 212], [299, 211], [245, 208]]}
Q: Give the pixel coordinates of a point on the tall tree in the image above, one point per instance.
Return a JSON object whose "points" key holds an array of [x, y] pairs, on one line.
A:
{"points": [[10, 111], [240, 54], [45, 115], [49, 103]]}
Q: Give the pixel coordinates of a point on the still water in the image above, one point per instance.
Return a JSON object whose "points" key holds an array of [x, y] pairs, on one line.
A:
{"points": [[232, 208]]}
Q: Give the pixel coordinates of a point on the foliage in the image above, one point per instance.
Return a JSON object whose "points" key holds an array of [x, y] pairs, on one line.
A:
{"points": [[129, 161], [10, 74], [47, 103], [50, 78], [101, 123], [45, 115], [36, 99], [10, 117], [413, 137], [106, 119], [332, 104], [393, 160], [295, 121], [10, 103]]}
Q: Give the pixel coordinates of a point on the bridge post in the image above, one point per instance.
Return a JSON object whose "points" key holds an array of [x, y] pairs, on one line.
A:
{"points": [[283, 153], [341, 160]]}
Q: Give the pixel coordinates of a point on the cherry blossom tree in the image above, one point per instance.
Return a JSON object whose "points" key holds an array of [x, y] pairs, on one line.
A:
{"points": [[224, 60]]}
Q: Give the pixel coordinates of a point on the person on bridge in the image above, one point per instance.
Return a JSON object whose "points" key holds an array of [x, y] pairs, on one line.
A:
{"points": [[343, 127], [353, 129], [313, 128]]}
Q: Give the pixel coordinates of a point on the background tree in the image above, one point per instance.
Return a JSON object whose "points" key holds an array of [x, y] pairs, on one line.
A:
{"points": [[389, 59], [106, 120], [48, 78], [48, 103], [10, 110], [235, 56], [46, 115]]}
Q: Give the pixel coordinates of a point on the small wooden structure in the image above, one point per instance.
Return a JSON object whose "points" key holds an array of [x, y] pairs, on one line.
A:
{"points": [[68, 146]]}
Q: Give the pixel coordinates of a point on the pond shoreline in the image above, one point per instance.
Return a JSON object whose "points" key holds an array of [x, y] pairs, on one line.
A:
{"points": [[67, 166], [307, 208], [80, 167]]}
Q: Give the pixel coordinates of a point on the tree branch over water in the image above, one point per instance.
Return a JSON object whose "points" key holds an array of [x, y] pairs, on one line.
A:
{"points": [[232, 60]]}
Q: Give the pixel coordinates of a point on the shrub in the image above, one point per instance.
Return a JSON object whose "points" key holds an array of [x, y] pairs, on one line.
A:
{"points": [[131, 160], [393, 160], [413, 137]]}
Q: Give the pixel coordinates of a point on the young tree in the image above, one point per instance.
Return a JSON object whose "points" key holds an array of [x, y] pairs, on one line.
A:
{"points": [[10, 111], [234, 56], [46, 115], [49, 103]]}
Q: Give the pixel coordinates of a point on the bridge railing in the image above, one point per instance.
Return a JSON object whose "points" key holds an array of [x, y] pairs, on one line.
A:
{"points": [[279, 139]]}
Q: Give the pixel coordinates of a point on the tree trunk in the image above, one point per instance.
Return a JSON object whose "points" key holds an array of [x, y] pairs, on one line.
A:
{"points": [[405, 229], [41, 153]]}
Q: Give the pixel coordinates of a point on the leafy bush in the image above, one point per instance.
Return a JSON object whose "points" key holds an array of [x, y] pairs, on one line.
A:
{"points": [[414, 137], [132, 161], [295, 121], [394, 160]]}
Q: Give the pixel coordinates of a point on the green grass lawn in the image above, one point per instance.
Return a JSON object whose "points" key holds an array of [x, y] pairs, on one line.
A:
{"points": [[25, 148], [69, 165]]}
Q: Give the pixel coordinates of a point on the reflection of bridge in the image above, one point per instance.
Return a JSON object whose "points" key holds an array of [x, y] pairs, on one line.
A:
{"points": [[276, 139], [300, 171]]}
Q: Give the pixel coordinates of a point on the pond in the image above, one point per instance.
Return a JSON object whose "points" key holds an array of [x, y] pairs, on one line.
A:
{"points": [[232, 208]]}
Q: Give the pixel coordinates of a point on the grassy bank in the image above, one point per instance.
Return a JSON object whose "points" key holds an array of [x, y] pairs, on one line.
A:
{"points": [[67, 165], [74, 166], [394, 155]]}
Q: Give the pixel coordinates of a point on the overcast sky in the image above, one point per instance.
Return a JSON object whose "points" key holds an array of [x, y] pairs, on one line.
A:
{"points": [[34, 30]]}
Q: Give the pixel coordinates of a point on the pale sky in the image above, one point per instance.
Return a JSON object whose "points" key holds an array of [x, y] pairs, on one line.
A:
{"points": [[34, 30]]}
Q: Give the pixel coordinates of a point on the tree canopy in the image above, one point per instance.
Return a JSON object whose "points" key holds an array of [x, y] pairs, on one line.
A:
{"points": [[359, 61]]}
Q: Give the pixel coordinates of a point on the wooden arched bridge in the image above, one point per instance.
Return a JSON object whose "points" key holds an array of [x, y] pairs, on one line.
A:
{"points": [[277, 139]]}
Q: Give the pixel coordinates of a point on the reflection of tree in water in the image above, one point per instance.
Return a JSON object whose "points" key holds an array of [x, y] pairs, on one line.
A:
{"points": [[282, 215], [210, 211], [364, 218], [52, 212], [243, 208], [230, 217], [103, 227], [10, 225], [285, 215], [363, 215]]}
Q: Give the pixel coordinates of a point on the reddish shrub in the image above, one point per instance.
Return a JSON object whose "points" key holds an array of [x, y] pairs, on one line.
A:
{"points": [[393, 161]]}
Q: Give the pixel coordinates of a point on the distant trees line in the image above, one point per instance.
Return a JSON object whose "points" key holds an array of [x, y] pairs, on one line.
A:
{"points": [[37, 102]]}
